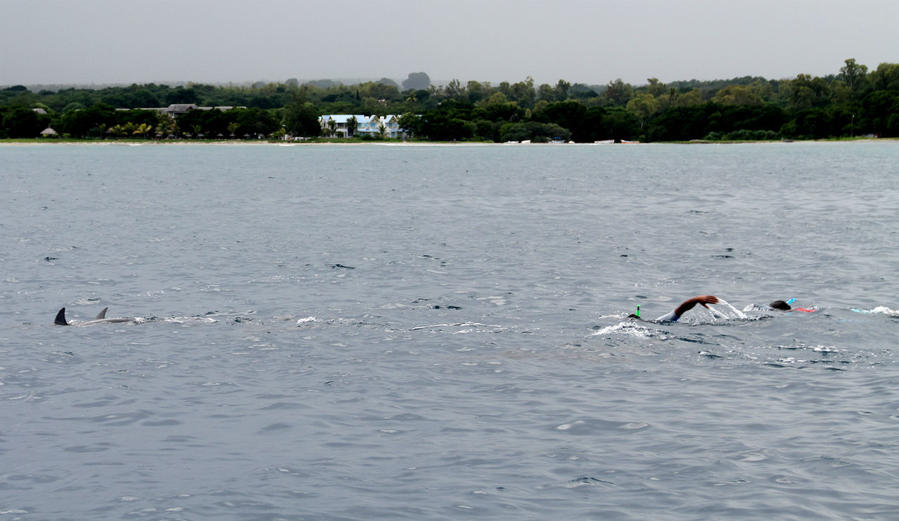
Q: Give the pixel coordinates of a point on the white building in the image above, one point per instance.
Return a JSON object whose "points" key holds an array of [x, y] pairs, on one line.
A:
{"points": [[374, 125]]}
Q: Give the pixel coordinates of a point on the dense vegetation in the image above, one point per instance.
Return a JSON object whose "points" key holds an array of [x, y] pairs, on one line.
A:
{"points": [[853, 102]]}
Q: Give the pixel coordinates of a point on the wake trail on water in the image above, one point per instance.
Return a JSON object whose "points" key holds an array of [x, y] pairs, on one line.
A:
{"points": [[879, 310], [628, 328]]}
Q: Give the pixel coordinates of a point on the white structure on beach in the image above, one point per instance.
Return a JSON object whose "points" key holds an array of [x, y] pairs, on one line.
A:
{"points": [[375, 126]]}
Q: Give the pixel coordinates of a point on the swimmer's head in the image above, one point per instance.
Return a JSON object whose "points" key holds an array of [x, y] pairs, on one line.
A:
{"points": [[779, 304]]}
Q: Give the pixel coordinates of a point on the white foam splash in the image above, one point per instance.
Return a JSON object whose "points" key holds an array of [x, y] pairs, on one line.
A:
{"points": [[624, 328], [731, 312], [566, 426], [879, 310], [306, 320], [715, 313]]}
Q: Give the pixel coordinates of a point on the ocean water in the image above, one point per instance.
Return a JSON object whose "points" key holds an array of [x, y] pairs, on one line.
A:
{"points": [[441, 332]]}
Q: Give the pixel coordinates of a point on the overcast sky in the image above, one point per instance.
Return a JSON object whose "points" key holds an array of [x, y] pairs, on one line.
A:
{"points": [[584, 41]]}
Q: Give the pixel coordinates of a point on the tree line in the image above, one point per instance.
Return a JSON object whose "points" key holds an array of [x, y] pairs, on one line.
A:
{"points": [[854, 101]]}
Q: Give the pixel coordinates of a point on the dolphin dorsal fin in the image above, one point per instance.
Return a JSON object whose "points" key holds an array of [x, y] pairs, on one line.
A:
{"points": [[102, 314], [61, 318]]}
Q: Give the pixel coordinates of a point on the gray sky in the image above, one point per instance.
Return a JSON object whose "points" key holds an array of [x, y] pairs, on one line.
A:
{"points": [[125, 41]]}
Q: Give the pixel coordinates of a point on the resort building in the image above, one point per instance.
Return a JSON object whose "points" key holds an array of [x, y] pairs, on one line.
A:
{"points": [[339, 125]]}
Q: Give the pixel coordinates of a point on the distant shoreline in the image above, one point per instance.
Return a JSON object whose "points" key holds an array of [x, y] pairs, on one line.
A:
{"points": [[150, 142]]}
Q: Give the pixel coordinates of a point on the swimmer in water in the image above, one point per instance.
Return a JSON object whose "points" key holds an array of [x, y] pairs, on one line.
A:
{"points": [[684, 306], [780, 305], [703, 300]]}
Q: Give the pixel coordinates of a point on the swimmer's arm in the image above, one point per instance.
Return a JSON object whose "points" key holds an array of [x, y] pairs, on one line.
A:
{"points": [[689, 304]]}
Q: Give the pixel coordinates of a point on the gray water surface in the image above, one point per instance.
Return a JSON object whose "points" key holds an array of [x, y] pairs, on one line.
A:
{"points": [[441, 332]]}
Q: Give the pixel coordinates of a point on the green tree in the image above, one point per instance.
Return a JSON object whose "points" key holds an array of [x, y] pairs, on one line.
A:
{"points": [[498, 108], [444, 125], [142, 130], [372, 106], [253, 122], [417, 81], [301, 119], [477, 91], [533, 131], [562, 89], [681, 123], [486, 129], [454, 89], [617, 93], [389, 83], [522, 92], [619, 124], [546, 92], [23, 122], [688, 99], [73, 106], [885, 77], [655, 87], [142, 98], [853, 74], [90, 122], [165, 126], [566, 114], [643, 106], [182, 95], [581, 91], [808, 124], [878, 108], [410, 123], [380, 90], [737, 95], [807, 92]]}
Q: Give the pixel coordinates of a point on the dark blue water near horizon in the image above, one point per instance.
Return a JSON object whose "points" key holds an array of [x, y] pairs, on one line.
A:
{"points": [[441, 332]]}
